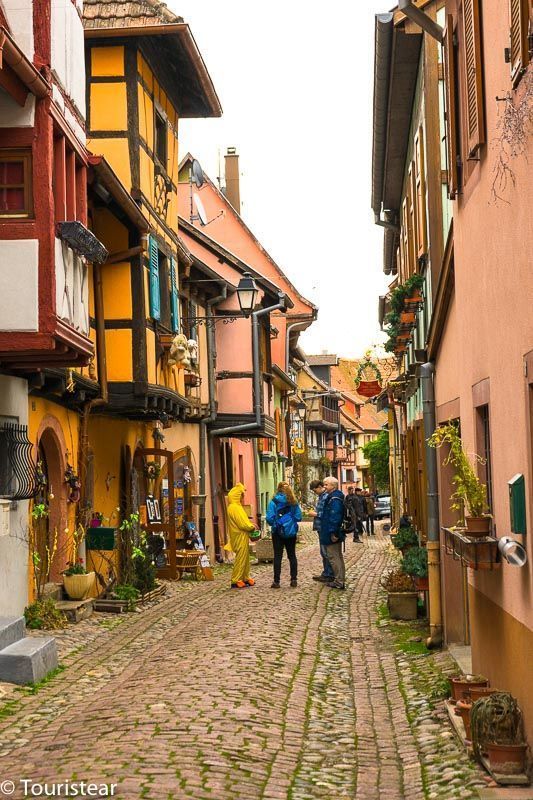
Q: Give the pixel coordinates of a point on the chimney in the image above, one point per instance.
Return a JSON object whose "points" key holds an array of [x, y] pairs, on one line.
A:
{"points": [[231, 170]]}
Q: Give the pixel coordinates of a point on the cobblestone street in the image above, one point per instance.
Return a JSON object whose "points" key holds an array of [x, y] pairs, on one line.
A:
{"points": [[212, 693]]}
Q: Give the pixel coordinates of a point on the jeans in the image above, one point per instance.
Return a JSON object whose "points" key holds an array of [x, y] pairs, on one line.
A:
{"points": [[290, 546], [370, 524], [327, 571], [336, 559]]}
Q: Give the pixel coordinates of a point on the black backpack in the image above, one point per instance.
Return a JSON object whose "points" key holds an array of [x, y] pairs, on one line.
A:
{"points": [[348, 522]]}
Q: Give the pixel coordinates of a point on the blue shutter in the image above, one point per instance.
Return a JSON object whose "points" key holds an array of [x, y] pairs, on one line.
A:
{"points": [[174, 303], [155, 298]]}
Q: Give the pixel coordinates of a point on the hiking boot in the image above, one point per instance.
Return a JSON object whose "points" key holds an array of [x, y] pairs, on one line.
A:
{"points": [[238, 585], [274, 585], [335, 586], [358, 540], [250, 582], [321, 578], [294, 583]]}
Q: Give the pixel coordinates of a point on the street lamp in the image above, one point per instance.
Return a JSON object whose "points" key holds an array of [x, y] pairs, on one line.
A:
{"points": [[301, 408], [247, 293]]}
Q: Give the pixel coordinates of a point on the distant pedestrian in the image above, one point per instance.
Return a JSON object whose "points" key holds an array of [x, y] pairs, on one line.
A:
{"points": [[239, 527], [351, 506], [331, 531], [360, 510], [318, 488], [370, 512], [283, 515]]}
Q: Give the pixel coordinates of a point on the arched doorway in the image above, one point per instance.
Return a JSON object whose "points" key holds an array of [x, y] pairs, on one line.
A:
{"points": [[52, 494]]}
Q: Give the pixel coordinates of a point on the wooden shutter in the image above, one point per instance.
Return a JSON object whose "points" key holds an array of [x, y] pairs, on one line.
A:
{"points": [[519, 17], [279, 431], [155, 298], [174, 301], [475, 117], [413, 228], [420, 188], [404, 243], [450, 89]]}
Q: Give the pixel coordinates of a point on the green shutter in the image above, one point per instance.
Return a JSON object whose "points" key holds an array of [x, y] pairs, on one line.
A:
{"points": [[174, 304], [155, 298]]}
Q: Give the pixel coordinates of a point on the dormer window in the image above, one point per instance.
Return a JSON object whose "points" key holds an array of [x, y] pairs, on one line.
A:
{"points": [[160, 140]]}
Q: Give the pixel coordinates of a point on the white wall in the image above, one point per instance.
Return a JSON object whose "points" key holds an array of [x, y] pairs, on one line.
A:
{"points": [[12, 115], [19, 302], [19, 14], [13, 516], [68, 59], [72, 292]]}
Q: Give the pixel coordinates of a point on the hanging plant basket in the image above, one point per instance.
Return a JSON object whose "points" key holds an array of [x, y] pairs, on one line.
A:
{"points": [[407, 318], [414, 300], [368, 380]]}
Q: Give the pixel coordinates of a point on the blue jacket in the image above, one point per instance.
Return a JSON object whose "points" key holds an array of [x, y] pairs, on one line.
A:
{"points": [[278, 502], [318, 508], [332, 517]]}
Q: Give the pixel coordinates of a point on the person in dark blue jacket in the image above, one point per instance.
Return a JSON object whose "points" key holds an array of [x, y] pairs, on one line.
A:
{"points": [[283, 515], [331, 533]]}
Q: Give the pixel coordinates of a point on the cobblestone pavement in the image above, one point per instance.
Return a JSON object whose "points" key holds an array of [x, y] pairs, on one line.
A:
{"points": [[212, 693]]}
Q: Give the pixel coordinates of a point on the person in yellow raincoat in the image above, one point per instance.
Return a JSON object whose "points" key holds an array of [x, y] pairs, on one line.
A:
{"points": [[240, 528]]}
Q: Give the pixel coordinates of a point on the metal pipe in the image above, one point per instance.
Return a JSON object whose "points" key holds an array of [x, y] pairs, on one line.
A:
{"points": [[385, 223], [433, 544], [288, 330], [384, 31], [417, 16]]}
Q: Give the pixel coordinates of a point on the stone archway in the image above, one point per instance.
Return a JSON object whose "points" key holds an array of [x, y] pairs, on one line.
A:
{"points": [[52, 447]]}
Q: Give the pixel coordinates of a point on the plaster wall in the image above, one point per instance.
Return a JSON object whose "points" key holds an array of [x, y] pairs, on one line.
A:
{"points": [[68, 51], [20, 17], [19, 285], [72, 289], [488, 333], [12, 115], [13, 516]]}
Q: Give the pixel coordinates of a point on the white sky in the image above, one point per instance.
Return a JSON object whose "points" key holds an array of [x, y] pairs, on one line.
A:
{"points": [[295, 80]]}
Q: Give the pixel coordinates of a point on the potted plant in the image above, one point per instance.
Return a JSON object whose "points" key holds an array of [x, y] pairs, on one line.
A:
{"points": [[413, 292], [463, 709], [469, 490], [96, 520], [401, 595], [497, 730], [415, 564], [462, 684], [77, 581], [405, 538]]}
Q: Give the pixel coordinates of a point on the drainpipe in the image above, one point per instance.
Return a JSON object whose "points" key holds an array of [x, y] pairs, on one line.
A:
{"points": [[204, 445], [433, 543], [288, 330]]}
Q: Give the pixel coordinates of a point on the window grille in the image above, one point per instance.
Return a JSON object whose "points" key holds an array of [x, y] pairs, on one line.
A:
{"points": [[18, 475]]}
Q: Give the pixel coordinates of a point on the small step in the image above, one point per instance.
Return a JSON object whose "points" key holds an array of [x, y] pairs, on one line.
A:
{"points": [[76, 610], [28, 660], [11, 630]]}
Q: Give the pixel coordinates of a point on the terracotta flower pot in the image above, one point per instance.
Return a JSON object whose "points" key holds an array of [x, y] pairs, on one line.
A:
{"points": [[414, 299], [403, 605], [461, 684], [463, 709], [477, 692], [78, 587], [407, 318], [478, 526], [507, 759]]}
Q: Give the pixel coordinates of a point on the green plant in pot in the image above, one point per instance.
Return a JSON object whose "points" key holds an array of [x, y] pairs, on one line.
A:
{"points": [[415, 564], [77, 581], [401, 594], [469, 492], [405, 538]]}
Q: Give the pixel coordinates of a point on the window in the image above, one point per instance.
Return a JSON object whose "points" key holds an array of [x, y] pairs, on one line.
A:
{"points": [[160, 140], [475, 116], [69, 184], [420, 192], [163, 287], [521, 47], [484, 450], [15, 184]]}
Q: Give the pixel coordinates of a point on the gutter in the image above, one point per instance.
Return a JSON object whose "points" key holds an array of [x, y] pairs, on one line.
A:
{"points": [[384, 28], [22, 66]]}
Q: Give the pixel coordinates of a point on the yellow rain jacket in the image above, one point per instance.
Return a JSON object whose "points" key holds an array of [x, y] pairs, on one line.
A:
{"points": [[239, 526]]}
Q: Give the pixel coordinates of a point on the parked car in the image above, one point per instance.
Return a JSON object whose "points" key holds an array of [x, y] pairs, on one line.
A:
{"points": [[382, 505]]}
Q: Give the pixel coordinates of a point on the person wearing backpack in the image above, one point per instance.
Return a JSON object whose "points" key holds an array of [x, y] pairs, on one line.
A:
{"points": [[283, 515], [332, 533]]}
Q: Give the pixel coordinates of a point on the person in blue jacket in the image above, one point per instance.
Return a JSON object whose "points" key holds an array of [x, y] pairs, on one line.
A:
{"points": [[283, 515], [331, 533]]}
